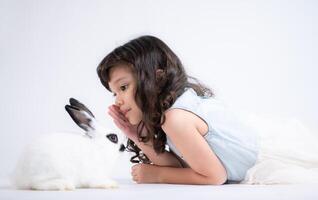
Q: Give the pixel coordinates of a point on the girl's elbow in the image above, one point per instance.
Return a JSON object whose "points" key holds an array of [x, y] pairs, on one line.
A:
{"points": [[216, 180], [221, 180]]}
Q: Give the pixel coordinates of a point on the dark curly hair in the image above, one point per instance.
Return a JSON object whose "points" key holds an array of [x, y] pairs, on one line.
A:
{"points": [[161, 79]]}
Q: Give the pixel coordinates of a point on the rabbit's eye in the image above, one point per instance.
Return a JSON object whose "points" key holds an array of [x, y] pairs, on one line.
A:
{"points": [[112, 137]]}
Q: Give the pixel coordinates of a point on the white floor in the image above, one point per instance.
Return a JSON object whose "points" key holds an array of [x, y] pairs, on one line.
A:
{"points": [[130, 190]]}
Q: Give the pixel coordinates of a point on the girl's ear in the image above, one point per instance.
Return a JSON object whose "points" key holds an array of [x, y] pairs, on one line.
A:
{"points": [[159, 74]]}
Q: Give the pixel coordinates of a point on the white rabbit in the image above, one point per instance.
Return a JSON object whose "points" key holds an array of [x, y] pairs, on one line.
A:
{"points": [[65, 161]]}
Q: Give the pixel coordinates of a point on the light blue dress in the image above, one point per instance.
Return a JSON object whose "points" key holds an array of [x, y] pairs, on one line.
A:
{"points": [[233, 141]]}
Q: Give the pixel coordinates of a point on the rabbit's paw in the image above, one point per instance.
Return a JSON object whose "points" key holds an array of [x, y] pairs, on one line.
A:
{"points": [[103, 183], [53, 184]]}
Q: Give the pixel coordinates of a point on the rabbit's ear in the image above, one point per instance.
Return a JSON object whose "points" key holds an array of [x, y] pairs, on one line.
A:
{"points": [[80, 106], [80, 117]]}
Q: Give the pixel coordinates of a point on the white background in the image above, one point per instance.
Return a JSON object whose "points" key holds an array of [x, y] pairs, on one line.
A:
{"points": [[258, 56]]}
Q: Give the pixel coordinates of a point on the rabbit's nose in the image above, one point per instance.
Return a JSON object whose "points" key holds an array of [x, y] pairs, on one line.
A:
{"points": [[122, 148]]}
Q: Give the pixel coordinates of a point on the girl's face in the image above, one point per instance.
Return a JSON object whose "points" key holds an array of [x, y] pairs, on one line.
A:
{"points": [[123, 85]]}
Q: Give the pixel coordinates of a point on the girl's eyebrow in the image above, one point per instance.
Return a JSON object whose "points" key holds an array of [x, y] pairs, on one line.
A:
{"points": [[119, 79]]}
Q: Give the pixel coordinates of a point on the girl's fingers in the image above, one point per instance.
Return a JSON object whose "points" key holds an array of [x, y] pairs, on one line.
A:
{"points": [[123, 127], [117, 110], [118, 120], [134, 177], [119, 125], [116, 116], [121, 122], [113, 115], [119, 114]]}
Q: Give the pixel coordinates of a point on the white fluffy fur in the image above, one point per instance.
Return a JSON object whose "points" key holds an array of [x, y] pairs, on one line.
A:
{"points": [[288, 154], [65, 161]]}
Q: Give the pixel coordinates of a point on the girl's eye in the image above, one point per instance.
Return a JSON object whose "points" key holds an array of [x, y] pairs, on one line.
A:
{"points": [[123, 88]]}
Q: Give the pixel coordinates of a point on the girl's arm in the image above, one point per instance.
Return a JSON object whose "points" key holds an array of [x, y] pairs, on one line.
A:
{"points": [[163, 159], [145, 173], [182, 131], [186, 176], [205, 167]]}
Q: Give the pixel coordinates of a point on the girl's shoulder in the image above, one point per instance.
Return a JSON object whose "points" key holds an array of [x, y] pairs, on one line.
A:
{"points": [[177, 118]]}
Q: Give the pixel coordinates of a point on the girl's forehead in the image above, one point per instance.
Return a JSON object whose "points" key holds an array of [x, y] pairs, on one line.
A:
{"points": [[119, 71]]}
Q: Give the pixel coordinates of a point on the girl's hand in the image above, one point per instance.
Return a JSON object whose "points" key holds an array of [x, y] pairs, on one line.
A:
{"points": [[122, 123], [145, 173]]}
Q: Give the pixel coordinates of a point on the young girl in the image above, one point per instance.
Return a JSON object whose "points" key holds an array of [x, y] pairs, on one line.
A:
{"points": [[157, 105]]}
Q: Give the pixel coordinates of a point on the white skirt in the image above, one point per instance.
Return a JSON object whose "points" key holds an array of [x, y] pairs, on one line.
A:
{"points": [[288, 152]]}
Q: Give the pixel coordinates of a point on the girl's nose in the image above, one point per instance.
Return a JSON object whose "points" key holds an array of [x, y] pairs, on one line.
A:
{"points": [[119, 102]]}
